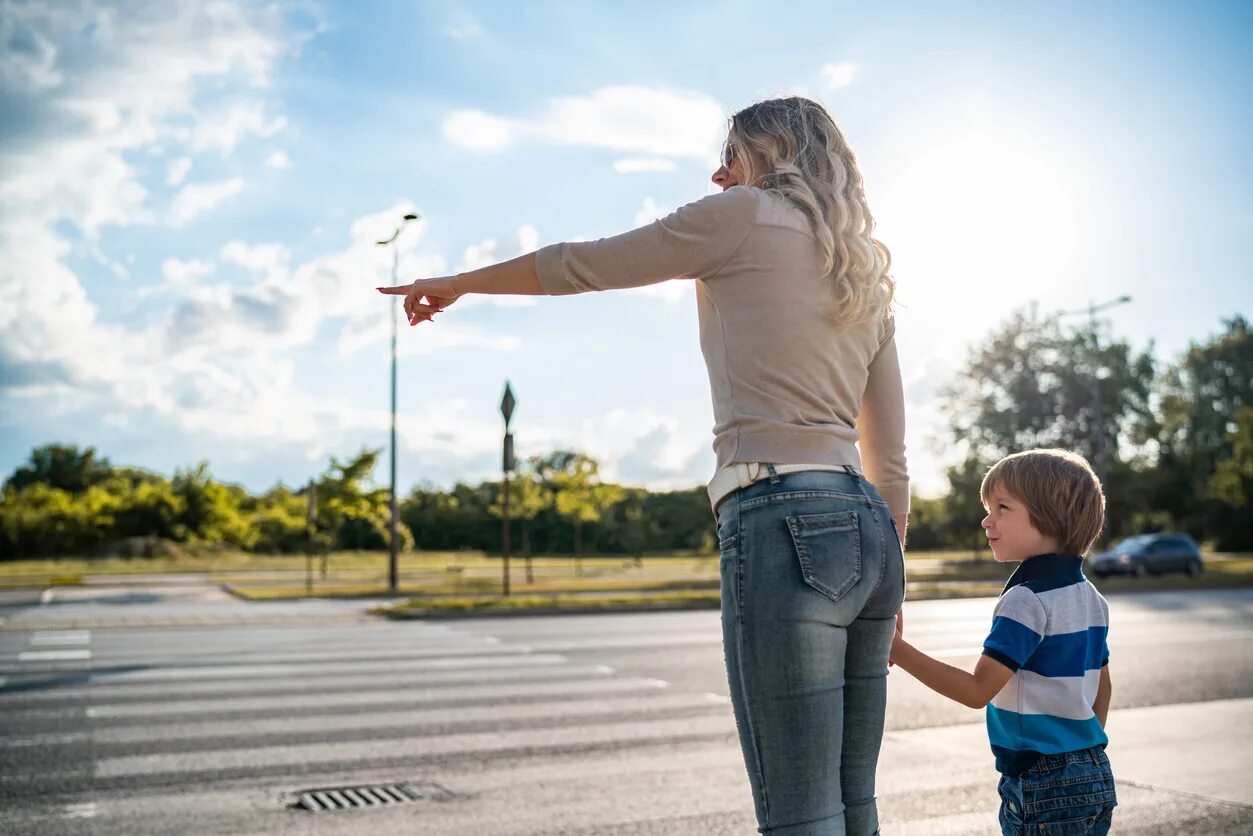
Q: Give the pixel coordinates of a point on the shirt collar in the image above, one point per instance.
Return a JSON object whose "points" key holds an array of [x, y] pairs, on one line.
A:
{"points": [[1054, 569]]}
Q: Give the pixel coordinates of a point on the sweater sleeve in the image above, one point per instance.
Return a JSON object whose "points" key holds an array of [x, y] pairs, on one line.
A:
{"points": [[693, 242], [881, 425]]}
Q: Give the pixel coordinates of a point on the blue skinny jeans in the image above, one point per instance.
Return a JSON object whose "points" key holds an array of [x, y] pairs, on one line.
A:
{"points": [[812, 580]]}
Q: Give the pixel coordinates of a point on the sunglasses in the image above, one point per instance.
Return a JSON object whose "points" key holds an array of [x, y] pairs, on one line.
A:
{"points": [[728, 155]]}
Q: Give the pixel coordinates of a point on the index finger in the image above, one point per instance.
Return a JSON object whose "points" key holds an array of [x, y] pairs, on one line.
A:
{"points": [[398, 290]]}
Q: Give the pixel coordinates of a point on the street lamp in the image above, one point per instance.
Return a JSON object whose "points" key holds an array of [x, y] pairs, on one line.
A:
{"points": [[1098, 440], [391, 565]]}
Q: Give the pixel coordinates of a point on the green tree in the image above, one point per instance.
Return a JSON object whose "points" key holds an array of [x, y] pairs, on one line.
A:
{"points": [[582, 498], [61, 466], [1196, 427], [1034, 384], [211, 510], [277, 523], [527, 499], [963, 520], [1232, 485], [44, 520], [357, 516]]}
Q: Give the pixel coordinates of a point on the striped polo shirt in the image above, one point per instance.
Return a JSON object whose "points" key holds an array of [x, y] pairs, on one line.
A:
{"points": [[1050, 628]]}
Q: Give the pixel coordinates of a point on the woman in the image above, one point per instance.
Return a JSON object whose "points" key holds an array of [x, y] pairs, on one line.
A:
{"points": [[793, 297]]}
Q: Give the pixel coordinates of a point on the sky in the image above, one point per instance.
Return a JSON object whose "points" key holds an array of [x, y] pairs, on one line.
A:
{"points": [[190, 196]]}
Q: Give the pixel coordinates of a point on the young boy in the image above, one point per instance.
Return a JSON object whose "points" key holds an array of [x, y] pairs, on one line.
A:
{"points": [[1044, 673]]}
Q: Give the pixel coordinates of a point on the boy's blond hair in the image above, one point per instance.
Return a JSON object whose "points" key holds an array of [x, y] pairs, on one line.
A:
{"points": [[1063, 496]]}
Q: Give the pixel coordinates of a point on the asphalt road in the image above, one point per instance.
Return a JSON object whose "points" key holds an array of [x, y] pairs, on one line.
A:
{"points": [[179, 710]]}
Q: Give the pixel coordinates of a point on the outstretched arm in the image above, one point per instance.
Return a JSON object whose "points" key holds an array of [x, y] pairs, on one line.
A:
{"points": [[695, 241], [971, 689], [515, 277]]}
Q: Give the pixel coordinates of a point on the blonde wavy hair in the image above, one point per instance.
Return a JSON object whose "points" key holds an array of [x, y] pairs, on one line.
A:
{"points": [[804, 156]]}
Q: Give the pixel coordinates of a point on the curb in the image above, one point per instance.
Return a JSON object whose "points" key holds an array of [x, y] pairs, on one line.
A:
{"points": [[493, 612]]}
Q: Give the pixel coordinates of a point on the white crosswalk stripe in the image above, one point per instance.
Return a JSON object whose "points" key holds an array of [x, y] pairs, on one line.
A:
{"points": [[367, 697], [528, 737]]}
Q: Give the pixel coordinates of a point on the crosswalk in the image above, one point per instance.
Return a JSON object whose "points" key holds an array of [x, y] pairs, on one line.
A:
{"points": [[107, 720], [526, 727]]}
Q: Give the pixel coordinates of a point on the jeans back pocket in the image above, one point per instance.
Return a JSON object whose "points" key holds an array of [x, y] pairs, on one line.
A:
{"points": [[828, 547]]}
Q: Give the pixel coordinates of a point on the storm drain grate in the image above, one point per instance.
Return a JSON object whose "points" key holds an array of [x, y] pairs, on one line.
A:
{"points": [[356, 798]]}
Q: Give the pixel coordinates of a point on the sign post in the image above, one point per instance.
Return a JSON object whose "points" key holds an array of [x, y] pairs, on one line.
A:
{"points": [[506, 409]]}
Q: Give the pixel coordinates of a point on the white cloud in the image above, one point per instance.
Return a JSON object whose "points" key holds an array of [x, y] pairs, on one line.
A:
{"points": [[838, 75], [278, 159], [671, 291], [636, 118], [648, 213], [528, 239], [260, 258], [636, 165], [125, 82], [181, 274], [225, 127], [197, 198], [28, 60], [486, 253], [479, 255], [625, 118], [112, 265], [463, 27], [478, 130], [177, 170], [635, 446]]}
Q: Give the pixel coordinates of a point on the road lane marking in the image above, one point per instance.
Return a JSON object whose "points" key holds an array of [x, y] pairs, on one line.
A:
{"points": [[61, 637], [350, 655], [53, 655], [80, 811], [366, 698], [266, 671], [46, 597], [392, 680], [518, 743], [407, 722]]}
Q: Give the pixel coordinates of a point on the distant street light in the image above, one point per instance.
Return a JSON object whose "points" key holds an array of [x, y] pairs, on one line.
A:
{"points": [[391, 565], [1098, 407]]}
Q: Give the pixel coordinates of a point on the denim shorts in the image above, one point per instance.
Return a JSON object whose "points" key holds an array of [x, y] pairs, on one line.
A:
{"points": [[1071, 794]]}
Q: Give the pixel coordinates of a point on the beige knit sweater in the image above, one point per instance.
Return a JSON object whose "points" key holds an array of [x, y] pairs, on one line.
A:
{"points": [[789, 384]]}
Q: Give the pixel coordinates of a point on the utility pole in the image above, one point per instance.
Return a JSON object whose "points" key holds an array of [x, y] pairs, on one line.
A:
{"points": [[311, 523], [391, 564]]}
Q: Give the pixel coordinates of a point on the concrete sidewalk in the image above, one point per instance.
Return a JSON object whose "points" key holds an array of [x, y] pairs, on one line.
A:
{"points": [[1172, 763]]}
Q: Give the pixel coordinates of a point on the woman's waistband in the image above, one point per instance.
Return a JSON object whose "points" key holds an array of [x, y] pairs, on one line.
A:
{"points": [[742, 474]]}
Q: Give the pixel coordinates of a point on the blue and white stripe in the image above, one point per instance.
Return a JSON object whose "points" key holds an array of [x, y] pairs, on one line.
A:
{"points": [[1050, 627]]}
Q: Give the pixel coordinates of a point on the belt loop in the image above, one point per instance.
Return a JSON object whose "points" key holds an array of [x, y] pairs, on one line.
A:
{"points": [[774, 474], [861, 482]]}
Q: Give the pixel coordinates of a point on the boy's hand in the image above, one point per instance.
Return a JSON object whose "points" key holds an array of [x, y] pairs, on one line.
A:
{"points": [[900, 629]]}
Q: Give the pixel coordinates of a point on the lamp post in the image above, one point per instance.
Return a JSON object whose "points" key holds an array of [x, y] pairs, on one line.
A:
{"points": [[1098, 407], [506, 409], [391, 565], [311, 522]]}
